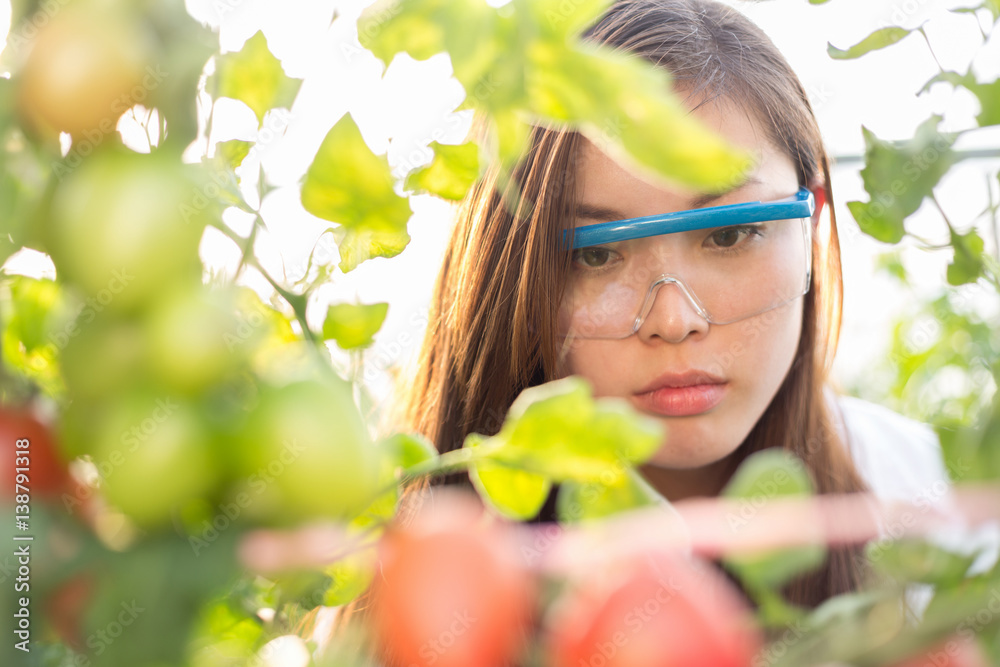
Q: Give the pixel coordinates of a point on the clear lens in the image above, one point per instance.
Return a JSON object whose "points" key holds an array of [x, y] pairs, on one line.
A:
{"points": [[727, 273]]}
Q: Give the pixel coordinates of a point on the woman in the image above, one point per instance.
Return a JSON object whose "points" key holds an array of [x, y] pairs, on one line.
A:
{"points": [[729, 372]]}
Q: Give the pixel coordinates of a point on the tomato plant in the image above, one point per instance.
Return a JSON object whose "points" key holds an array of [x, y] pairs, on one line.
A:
{"points": [[200, 409]]}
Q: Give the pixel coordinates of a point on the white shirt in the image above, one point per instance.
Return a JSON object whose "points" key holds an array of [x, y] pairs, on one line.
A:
{"points": [[900, 459]]}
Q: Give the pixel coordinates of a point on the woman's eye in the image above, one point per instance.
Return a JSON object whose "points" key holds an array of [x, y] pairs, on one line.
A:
{"points": [[726, 238], [594, 257], [730, 237]]}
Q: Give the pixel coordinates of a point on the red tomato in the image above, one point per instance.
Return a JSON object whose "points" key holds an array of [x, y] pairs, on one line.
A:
{"points": [[953, 652], [47, 474], [646, 614], [64, 608], [451, 591]]}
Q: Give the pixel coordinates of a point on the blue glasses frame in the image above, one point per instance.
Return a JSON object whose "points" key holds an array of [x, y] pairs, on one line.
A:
{"points": [[800, 205]]}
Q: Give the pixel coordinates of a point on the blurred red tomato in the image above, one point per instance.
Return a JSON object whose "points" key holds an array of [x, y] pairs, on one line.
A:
{"points": [[47, 474], [451, 591], [65, 606], [953, 652], [85, 69], [649, 614]]}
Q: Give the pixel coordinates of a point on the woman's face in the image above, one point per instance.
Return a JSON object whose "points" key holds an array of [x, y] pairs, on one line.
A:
{"points": [[732, 371]]}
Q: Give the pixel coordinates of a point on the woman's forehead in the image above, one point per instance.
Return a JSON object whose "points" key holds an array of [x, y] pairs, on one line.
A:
{"points": [[608, 190]]}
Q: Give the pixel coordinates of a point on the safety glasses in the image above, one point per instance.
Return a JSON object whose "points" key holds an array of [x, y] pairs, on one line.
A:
{"points": [[730, 262]]}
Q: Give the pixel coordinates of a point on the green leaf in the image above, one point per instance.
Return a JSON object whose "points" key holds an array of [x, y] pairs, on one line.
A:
{"points": [[354, 325], [967, 264], [469, 30], [233, 151], [356, 246], [897, 177], [582, 501], [450, 174], [562, 19], [988, 95], [254, 76], [520, 66], [762, 477], [560, 431], [405, 450], [349, 577], [515, 494], [919, 560], [348, 184], [626, 109], [877, 40], [992, 5], [891, 263]]}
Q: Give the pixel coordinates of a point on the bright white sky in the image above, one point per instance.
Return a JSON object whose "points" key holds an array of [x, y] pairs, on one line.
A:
{"points": [[413, 99]]}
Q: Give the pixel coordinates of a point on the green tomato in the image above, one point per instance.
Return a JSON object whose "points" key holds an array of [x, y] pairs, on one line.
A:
{"points": [[154, 456], [125, 226], [102, 354], [308, 454], [194, 339]]}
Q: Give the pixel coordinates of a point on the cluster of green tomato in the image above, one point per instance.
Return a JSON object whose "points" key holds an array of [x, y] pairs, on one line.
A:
{"points": [[167, 392]]}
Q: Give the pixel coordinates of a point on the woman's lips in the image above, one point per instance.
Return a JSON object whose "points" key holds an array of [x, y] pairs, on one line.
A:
{"points": [[682, 401]]}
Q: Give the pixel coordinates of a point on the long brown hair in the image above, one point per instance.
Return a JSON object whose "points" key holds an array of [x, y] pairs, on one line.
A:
{"points": [[491, 330]]}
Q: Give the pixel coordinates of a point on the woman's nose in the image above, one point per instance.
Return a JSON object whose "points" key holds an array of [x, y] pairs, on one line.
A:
{"points": [[672, 315]]}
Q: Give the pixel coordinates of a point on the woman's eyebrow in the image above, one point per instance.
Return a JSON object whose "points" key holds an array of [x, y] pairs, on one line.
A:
{"points": [[603, 214], [705, 200]]}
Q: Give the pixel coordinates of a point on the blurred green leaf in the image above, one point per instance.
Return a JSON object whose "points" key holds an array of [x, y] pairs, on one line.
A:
{"points": [[356, 246], [562, 19], [560, 431], [919, 560], [450, 174], [626, 110], [891, 263], [988, 95], [967, 264], [762, 477], [349, 577], [354, 325], [405, 450], [467, 29], [233, 151], [520, 66], [897, 177], [515, 494], [254, 76], [35, 324], [877, 40], [581, 501], [992, 5], [149, 598]]}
